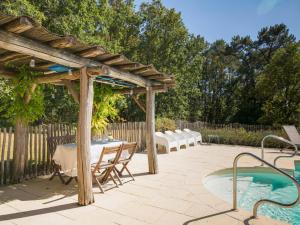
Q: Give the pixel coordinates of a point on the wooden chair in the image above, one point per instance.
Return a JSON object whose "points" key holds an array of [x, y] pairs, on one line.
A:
{"points": [[102, 170], [52, 143], [124, 161]]}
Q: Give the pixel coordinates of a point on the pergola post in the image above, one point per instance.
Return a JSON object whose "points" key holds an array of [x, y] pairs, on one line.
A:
{"points": [[150, 130], [85, 188]]}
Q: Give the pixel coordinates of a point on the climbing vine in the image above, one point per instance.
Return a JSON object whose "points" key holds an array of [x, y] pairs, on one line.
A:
{"points": [[104, 108], [15, 106]]}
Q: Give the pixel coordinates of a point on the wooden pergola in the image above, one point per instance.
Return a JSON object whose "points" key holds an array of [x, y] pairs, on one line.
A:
{"points": [[64, 60]]}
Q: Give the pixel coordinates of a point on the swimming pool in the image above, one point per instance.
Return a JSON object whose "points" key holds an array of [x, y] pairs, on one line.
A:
{"points": [[254, 184]]}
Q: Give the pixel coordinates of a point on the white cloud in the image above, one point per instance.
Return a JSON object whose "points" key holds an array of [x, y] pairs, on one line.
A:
{"points": [[266, 6]]}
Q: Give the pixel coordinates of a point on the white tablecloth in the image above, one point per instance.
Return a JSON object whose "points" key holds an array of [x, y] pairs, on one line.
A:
{"points": [[66, 155]]}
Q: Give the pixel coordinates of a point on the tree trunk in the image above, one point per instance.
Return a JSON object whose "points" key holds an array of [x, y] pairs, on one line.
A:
{"points": [[20, 142], [85, 188], [150, 129], [19, 153]]}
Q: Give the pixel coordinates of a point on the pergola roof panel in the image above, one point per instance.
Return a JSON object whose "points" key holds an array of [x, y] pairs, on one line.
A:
{"points": [[6, 19], [26, 27]]}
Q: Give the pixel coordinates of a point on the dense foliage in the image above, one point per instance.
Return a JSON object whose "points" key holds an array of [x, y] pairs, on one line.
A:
{"points": [[104, 109], [14, 105], [279, 87], [162, 124], [244, 81]]}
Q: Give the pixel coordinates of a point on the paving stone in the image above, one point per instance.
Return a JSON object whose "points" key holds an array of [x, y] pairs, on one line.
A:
{"points": [[174, 196]]}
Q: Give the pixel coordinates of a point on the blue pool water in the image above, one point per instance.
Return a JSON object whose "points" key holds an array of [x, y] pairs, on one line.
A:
{"points": [[255, 184]]}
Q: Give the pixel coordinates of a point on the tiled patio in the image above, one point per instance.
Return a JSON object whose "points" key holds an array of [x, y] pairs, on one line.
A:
{"points": [[175, 196]]}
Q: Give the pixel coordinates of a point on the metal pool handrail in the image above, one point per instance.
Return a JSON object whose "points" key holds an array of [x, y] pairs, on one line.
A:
{"points": [[280, 139], [262, 201]]}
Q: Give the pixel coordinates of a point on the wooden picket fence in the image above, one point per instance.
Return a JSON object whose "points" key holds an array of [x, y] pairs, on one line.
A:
{"points": [[42, 141], [37, 154], [130, 131]]}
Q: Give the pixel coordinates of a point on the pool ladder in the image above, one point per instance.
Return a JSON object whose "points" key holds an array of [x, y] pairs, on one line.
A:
{"points": [[262, 201], [279, 139]]}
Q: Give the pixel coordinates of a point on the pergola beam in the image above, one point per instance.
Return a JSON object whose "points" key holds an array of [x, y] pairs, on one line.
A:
{"points": [[92, 52], [7, 74], [64, 42], [140, 90], [130, 66], [44, 79], [57, 77], [71, 88], [27, 46], [139, 103], [19, 25], [10, 56], [114, 60], [12, 42]]}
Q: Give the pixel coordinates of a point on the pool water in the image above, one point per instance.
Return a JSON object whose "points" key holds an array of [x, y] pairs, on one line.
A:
{"points": [[255, 184]]}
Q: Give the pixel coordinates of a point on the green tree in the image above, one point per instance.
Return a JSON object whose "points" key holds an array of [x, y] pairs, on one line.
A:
{"points": [[217, 84], [279, 87], [190, 76], [245, 56], [253, 56], [165, 42], [22, 7]]}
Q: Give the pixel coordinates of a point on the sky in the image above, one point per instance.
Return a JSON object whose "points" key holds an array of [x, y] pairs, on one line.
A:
{"points": [[222, 19]]}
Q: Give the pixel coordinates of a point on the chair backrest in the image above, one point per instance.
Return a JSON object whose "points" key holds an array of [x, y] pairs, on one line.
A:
{"points": [[293, 134], [187, 130], [110, 151], [130, 148], [168, 137]]}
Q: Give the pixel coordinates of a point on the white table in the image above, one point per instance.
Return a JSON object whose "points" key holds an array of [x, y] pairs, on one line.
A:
{"points": [[66, 155]]}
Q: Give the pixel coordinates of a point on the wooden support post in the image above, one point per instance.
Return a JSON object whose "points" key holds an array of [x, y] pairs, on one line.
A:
{"points": [[85, 189], [150, 129]]}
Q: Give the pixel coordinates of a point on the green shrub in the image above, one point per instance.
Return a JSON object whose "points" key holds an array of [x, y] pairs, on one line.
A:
{"points": [[241, 136], [163, 124]]}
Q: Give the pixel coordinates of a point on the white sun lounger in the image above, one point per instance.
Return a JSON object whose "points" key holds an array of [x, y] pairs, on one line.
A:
{"points": [[293, 134], [182, 140], [166, 141], [190, 138], [196, 135]]}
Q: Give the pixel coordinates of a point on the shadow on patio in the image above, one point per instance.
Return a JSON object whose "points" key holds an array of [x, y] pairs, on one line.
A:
{"points": [[205, 217], [38, 211]]}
